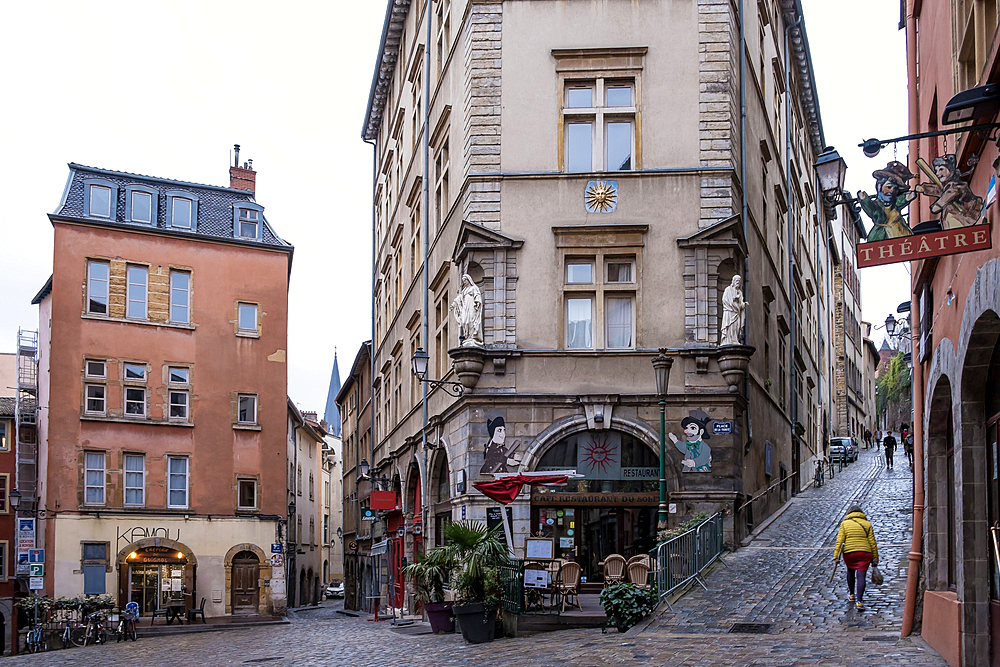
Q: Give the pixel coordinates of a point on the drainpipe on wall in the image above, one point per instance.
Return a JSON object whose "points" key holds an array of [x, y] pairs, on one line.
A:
{"points": [[793, 320], [423, 473], [358, 570], [916, 546], [745, 215]]}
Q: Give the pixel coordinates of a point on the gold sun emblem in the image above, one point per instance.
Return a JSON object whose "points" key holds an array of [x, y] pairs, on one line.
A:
{"points": [[601, 196]]}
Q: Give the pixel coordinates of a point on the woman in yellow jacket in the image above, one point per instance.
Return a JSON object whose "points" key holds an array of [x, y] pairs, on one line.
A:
{"points": [[856, 539]]}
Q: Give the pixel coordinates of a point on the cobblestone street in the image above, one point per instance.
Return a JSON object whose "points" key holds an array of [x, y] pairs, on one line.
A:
{"points": [[782, 578]]}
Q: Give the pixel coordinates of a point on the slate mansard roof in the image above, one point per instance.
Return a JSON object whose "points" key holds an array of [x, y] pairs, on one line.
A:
{"points": [[214, 208]]}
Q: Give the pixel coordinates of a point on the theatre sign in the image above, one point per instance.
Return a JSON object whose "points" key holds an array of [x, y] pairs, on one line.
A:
{"points": [[959, 227]]}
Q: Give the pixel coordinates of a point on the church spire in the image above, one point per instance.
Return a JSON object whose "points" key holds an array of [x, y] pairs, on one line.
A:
{"points": [[332, 415]]}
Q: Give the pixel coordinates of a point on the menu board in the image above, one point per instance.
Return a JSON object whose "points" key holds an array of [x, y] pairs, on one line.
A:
{"points": [[539, 548]]}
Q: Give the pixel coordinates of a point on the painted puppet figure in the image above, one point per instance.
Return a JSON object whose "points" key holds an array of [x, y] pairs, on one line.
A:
{"points": [[956, 203], [697, 454], [498, 457], [885, 207]]}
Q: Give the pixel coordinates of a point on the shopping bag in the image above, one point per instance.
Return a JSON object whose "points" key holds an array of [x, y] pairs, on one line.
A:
{"points": [[877, 577]]}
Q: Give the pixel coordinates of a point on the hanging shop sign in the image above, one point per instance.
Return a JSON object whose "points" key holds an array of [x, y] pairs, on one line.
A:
{"points": [[960, 226], [368, 514], [383, 500]]}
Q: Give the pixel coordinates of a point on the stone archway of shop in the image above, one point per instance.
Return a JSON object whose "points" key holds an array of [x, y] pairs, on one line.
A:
{"points": [[439, 492], [264, 574], [974, 533], [940, 506], [622, 517], [190, 569]]}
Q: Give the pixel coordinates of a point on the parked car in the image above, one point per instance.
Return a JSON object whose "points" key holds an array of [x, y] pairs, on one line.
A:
{"points": [[335, 590], [838, 445]]}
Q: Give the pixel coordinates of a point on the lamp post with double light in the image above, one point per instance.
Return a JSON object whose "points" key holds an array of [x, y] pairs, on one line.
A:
{"points": [[661, 369]]}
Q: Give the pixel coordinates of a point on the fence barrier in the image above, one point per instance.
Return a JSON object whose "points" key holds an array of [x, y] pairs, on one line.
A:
{"points": [[682, 559]]}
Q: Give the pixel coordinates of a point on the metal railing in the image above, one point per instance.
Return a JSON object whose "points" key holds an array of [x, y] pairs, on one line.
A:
{"points": [[682, 559], [512, 583]]}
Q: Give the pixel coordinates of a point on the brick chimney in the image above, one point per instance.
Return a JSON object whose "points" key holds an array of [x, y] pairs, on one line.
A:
{"points": [[242, 178], [309, 416]]}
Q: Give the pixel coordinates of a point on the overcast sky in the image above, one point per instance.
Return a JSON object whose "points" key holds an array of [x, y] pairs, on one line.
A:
{"points": [[166, 88]]}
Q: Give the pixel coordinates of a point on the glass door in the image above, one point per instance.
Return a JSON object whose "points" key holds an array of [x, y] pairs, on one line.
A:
{"points": [[144, 587]]}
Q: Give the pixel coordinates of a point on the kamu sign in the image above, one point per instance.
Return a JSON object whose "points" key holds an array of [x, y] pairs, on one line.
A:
{"points": [[959, 228]]}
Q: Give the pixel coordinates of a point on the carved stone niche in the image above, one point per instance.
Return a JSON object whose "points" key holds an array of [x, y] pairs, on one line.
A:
{"points": [[712, 256], [490, 258]]}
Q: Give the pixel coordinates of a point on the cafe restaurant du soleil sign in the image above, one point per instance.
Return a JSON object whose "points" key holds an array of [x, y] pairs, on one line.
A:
{"points": [[595, 499], [959, 227]]}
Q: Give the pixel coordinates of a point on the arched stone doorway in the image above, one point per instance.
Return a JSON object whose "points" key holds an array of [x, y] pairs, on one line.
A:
{"points": [[302, 588], [247, 580], [244, 594], [157, 573]]}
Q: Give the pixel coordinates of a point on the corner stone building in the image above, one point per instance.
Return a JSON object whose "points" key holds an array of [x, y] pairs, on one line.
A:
{"points": [[586, 170]]}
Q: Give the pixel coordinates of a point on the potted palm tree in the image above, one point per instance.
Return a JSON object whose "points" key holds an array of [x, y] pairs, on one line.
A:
{"points": [[479, 553], [429, 575]]}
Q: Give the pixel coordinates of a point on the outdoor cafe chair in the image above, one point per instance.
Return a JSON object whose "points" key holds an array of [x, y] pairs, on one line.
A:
{"points": [[568, 585], [638, 574], [614, 569], [641, 558]]}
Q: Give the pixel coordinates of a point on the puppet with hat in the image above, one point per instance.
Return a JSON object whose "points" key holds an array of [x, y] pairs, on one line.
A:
{"points": [[497, 455], [697, 454], [892, 195]]}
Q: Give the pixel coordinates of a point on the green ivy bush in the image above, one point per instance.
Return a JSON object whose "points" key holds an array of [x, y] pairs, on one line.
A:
{"points": [[627, 604]]}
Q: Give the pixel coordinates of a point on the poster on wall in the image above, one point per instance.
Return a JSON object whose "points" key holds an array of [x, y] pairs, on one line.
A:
{"points": [[959, 225], [696, 452], [498, 457]]}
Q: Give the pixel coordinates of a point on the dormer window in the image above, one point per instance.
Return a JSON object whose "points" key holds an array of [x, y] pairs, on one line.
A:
{"points": [[140, 203], [100, 198], [182, 210], [248, 221]]}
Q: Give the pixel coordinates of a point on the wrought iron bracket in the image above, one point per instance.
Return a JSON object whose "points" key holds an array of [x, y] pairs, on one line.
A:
{"points": [[987, 131], [456, 389]]}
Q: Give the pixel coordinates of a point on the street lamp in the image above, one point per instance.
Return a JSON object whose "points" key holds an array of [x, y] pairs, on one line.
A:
{"points": [[14, 498], [890, 324], [419, 367], [661, 369], [831, 170]]}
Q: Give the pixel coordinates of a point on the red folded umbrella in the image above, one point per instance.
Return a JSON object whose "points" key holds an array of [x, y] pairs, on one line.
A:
{"points": [[506, 489]]}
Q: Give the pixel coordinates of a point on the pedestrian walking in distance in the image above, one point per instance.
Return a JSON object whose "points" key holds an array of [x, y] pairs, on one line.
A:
{"points": [[908, 448], [856, 541], [890, 447], [868, 439], [878, 440]]}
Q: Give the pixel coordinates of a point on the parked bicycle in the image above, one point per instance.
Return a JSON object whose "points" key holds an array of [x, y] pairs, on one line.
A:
{"points": [[35, 641], [127, 622], [96, 632], [73, 633]]}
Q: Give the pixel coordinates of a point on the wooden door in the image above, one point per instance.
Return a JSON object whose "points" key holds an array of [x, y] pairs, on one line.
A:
{"points": [[245, 575]]}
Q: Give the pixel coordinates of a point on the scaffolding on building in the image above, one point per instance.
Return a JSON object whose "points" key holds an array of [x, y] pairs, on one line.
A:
{"points": [[26, 416]]}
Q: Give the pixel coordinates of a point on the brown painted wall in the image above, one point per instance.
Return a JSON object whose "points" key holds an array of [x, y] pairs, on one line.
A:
{"points": [[222, 364]]}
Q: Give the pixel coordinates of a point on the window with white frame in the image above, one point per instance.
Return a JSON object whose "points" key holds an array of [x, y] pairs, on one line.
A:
{"points": [[182, 210], [598, 117], [100, 201], [140, 206], [246, 409], [247, 317], [135, 390], [443, 33], [442, 164], [95, 368], [97, 287], [178, 392], [247, 494], [135, 480], [599, 296], [177, 481], [137, 292], [180, 297], [248, 222], [93, 478], [96, 400]]}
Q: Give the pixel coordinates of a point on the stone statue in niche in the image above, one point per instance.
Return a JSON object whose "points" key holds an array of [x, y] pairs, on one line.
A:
{"points": [[468, 310], [734, 312]]}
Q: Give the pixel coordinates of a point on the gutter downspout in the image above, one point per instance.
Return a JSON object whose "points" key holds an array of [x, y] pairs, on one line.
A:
{"points": [[359, 587], [916, 546], [425, 474], [745, 212], [794, 402]]}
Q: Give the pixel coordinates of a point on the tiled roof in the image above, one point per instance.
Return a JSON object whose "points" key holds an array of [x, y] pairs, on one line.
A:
{"points": [[7, 406], [215, 204]]}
